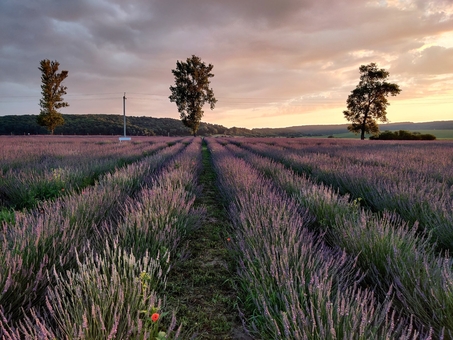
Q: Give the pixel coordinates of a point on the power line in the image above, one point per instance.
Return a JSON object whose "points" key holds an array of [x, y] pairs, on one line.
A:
{"points": [[226, 100]]}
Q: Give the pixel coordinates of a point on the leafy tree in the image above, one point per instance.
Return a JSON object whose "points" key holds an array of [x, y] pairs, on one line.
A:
{"points": [[52, 92], [191, 90], [368, 101]]}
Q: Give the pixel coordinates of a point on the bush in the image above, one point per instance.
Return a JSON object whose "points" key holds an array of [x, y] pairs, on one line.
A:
{"points": [[403, 135]]}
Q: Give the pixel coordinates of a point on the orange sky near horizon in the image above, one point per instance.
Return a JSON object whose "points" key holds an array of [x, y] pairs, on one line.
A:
{"points": [[276, 64]]}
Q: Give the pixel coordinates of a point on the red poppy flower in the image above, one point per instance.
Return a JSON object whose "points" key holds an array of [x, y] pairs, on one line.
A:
{"points": [[155, 317]]}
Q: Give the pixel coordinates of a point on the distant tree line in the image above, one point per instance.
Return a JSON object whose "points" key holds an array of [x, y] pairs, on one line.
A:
{"points": [[96, 124]]}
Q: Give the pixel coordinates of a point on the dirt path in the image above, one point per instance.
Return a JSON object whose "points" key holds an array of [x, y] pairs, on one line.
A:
{"points": [[200, 288]]}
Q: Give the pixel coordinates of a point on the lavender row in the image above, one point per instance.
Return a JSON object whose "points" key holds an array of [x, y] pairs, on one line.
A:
{"points": [[392, 253], [49, 235], [163, 213], [48, 170], [115, 293], [415, 197], [295, 286], [42, 152], [432, 160], [429, 159]]}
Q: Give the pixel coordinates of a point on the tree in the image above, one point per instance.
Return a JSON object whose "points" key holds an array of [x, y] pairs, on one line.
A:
{"points": [[368, 101], [52, 92], [191, 91]]}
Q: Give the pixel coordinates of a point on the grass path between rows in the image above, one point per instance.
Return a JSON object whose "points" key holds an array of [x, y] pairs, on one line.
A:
{"points": [[201, 287]]}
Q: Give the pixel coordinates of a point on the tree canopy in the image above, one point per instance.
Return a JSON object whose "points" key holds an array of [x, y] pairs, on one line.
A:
{"points": [[191, 91], [52, 95], [368, 102]]}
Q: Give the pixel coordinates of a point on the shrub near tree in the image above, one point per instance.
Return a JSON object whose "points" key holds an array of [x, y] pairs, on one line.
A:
{"points": [[368, 101], [52, 95], [403, 135], [191, 91]]}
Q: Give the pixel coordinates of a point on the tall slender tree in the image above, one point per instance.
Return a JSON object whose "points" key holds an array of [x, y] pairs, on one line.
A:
{"points": [[52, 95], [191, 91], [368, 101]]}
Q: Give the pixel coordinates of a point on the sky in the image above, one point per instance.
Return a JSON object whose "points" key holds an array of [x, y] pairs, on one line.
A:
{"points": [[277, 63]]}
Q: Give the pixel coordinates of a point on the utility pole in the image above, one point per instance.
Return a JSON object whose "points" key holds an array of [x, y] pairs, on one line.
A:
{"points": [[124, 112], [124, 115]]}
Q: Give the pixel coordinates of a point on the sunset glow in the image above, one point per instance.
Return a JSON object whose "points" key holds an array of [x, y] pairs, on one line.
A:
{"points": [[276, 63]]}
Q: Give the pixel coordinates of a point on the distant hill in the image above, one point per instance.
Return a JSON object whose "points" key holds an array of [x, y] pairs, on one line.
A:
{"points": [[97, 124], [342, 129]]}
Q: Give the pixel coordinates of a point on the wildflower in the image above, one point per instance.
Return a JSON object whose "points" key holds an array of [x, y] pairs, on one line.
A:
{"points": [[228, 239], [155, 317]]}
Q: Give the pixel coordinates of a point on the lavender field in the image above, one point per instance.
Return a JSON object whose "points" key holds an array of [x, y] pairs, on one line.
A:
{"points": [[327, 239]]}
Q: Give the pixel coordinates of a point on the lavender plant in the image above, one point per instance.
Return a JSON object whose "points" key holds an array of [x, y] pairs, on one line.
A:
{"points": [[288, 275], [107, 296], [59, 168], [414, 195], [399, 257], [163, 213], [105, 293], [48, 236], [385, 246]]}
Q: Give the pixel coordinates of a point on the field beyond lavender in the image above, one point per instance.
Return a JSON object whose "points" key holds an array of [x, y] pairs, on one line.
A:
{"points": [[325, 238]]}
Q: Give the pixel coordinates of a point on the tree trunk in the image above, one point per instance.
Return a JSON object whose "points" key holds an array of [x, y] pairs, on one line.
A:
{"points": [[362, 134]]}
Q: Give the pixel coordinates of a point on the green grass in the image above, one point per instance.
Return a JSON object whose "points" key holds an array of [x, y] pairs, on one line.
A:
{"points": [[200, 288], [440, 134], [6, 215]]}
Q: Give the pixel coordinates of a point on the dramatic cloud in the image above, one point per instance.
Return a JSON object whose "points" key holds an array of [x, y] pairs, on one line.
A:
{"points": [[276, 63]]}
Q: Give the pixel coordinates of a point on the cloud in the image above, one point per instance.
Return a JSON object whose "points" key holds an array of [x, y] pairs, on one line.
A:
{"points": [[265, 53], [431, 61]]}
